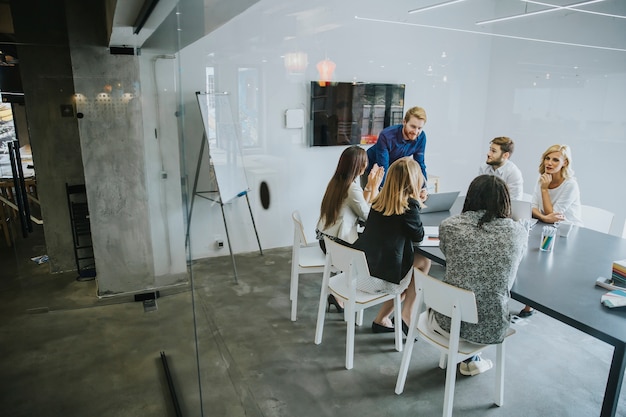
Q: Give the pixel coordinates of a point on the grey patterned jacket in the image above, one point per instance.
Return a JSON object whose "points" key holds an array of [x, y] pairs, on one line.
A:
{"points": [[483, 260]]}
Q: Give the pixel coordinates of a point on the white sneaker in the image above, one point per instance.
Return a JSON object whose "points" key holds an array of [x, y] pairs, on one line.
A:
{"points": [[475, 367]]}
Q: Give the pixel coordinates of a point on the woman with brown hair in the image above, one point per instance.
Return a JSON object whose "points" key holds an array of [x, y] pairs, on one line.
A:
{"points": [[345, 203]]}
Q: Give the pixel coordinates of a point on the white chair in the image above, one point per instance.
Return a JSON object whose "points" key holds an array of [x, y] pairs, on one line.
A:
{"points": [[460, 305], [521, 209], [353, 265], [596, 218], [306, 258]]}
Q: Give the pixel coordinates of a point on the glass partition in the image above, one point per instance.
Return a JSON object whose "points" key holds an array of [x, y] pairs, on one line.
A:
{"points": [[264, 61]]}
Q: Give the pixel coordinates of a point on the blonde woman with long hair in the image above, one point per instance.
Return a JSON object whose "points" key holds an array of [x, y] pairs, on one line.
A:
{"points": [[557, 196], [393, 225]]}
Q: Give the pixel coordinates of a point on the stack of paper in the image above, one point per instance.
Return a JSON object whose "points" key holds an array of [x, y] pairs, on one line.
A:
{"points": [[619, 273], [616, 298], [431, 236]]}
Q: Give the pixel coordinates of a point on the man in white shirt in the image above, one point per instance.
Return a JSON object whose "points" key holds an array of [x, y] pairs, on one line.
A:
{"points": [[498, 164]]}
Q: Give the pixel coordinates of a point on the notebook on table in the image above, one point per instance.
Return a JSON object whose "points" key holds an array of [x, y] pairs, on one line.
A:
{"points": [[439, 202]]}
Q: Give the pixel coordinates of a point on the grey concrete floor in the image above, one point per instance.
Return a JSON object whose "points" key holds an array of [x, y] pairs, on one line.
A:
{"points": [[66, 352]]}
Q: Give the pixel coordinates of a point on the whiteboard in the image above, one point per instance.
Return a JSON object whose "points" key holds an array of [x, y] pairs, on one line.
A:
{"points": [[222, 135]]}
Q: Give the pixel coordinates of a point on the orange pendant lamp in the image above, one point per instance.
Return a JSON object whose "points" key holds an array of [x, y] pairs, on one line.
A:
{"points": [[325, 68]]}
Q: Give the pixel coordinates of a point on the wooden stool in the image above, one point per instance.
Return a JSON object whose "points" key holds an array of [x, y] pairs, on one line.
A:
{"points": [[6, 223]]}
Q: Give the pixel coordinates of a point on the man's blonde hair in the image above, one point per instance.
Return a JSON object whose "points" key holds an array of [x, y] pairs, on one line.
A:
{"points": [[416, 111], [404, 180]]}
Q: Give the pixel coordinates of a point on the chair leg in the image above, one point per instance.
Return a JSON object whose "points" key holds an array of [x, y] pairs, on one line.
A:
{"points": [[408, 351], [448, 398], [359, 318], [410, 341], [4, 225], [321, 314], [397, 306], [350, 329], [500, 374], [293, 292], [442, 360]]}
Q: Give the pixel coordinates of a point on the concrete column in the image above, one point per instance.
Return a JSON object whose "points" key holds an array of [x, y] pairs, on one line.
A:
{"points": [[46, 73], [108, 96], [65, 60]]}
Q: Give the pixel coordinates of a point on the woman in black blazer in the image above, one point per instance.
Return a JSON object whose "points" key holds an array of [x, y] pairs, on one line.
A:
{"points": [[391, 228]]}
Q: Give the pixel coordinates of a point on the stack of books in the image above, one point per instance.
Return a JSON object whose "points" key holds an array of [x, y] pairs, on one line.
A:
{"points": [[617, 284], [619, 273]]}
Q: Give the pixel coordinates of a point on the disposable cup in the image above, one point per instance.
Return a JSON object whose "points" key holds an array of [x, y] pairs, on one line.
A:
{"points": [[565, 228]]}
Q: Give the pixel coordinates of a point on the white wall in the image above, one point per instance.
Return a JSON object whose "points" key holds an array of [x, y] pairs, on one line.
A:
{"points": [[487, 92], [581, 107]]}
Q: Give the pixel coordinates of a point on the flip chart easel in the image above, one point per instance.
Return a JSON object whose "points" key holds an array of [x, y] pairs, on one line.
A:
{"points": [[225, 161]]}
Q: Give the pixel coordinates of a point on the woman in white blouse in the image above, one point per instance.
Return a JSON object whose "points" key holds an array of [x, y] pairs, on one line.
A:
{"points": [[345, 203], [557, 196]]}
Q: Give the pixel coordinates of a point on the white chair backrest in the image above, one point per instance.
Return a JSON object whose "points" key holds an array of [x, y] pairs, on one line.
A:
{"points": [[624, 232], [527, 197], [596, 218], [521, 209], [299, 236], [347, 259], [446, 298]]}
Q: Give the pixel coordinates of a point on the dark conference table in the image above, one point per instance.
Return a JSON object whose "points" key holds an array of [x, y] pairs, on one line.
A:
{"points": [[561, 284]]}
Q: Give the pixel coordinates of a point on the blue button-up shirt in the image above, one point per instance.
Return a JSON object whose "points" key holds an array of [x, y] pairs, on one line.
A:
{"points": [[392, 146]]}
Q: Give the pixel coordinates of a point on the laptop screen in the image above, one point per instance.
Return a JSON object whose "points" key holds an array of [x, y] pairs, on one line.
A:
{"points": [[440, 202]]}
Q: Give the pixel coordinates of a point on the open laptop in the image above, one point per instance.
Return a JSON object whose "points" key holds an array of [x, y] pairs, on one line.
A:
{"points": [[440, 202]]}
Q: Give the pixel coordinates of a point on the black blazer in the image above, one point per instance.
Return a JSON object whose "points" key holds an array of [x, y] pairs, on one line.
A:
{"points": [[388, 242]]}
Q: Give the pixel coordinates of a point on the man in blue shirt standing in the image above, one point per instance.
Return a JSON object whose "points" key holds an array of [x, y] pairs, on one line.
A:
{"points": [[398, 141]]}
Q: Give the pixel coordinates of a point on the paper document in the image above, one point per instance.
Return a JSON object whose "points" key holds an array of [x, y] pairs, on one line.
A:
{"points": [[431, 236], [612, 299]]}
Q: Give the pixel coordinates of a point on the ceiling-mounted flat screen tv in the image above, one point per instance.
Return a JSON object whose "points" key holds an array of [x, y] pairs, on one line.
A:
{"points": [[346, 113]]}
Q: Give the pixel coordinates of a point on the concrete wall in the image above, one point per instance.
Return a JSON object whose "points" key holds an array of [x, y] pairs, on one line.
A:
{"points": [[46, 72], [109, 92], [64, 60]]}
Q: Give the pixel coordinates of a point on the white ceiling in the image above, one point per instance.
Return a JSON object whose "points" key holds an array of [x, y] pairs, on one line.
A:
{"points": [[197, 17], [579, 22], [126, 12]]}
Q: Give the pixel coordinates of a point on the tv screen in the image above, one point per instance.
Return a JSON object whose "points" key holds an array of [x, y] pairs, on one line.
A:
{"points": [[346, 113]]}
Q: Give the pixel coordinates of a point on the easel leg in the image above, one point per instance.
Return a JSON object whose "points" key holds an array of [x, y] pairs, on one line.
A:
{"points": [[195, 188], [230, 248], [254, 225]]}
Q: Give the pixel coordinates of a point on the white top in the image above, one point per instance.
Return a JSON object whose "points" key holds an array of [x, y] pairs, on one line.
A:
{"points": [[565, 199], [510, 174], [353, 208]]}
